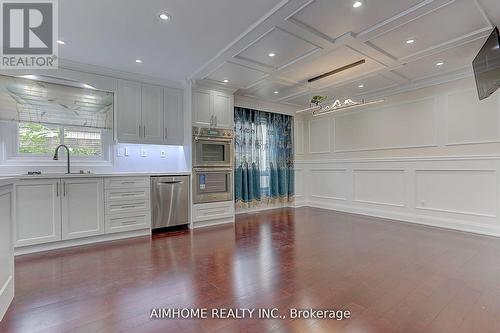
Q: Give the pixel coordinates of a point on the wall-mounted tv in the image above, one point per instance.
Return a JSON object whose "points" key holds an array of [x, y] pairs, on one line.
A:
{"points": [[486, 66]]}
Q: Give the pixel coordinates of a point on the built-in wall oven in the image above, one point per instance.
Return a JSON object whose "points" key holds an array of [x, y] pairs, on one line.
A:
{"points": [[212, 185], [212, 164], [212, 147]]}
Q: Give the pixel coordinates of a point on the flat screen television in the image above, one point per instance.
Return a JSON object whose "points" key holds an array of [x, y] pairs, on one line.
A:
{"points": [[486, 66]]}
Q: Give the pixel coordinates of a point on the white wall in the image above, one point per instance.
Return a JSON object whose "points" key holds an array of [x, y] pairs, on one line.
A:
{"points": [[430, 156]]}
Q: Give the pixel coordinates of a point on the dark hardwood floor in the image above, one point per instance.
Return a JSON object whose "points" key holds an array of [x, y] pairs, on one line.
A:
{"points": [[393, 277]]}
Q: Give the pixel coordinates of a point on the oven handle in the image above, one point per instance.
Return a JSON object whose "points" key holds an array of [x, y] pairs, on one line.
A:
{"points": [[213, 139], [211, 170]]}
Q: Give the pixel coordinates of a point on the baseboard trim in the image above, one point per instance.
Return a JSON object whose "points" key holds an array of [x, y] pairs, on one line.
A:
{"points": [[82, 241], [6, 295], [442, 223]]}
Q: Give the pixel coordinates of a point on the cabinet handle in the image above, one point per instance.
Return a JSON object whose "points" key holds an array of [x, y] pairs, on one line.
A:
{"points": [[144, 130], [215, 120], [165, 134], [128, 222], [140, 131], [57, 189], [64, 189], [128, 206]]}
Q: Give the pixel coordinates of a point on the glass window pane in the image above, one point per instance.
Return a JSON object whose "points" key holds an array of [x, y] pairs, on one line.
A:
{"points": [[83, 142], [37, 139]]}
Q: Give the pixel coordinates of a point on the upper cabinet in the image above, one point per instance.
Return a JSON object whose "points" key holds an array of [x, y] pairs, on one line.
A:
{"points": [[149, 114], [213, 108]]}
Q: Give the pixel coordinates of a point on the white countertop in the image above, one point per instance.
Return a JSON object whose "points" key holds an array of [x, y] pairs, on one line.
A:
{"points": [[4, 181], [92, 175]]}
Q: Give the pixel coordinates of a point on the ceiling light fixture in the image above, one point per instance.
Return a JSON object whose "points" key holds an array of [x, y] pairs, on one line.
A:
{"points": [[361, 86], [225, 80], [440, 63], [276, 92], [272, 54], [357, 4], [165, 16], [139, 61], [60, 42], [410, 41]]}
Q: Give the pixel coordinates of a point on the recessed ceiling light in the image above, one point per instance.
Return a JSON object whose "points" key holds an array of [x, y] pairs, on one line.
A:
{"points": [[138, 61], [410, 41], [272, 54], [276, 92], [61, 42], [357, 4], [361, 86], [440, 63], [225, 80], [165, 16]]}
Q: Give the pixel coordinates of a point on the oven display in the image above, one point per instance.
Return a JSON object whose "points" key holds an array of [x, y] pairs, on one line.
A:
{"points": [[202, 182]]}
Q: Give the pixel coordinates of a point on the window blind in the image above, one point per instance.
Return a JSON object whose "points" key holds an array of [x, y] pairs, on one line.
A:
{"points": [[24, 100]]}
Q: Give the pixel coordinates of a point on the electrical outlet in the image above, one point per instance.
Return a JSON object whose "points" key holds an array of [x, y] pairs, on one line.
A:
{"points": [[163, 154], [144, 153], [125, 151], [119, 152]]}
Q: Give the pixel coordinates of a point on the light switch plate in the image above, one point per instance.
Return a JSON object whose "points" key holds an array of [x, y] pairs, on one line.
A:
{"points": [[163, 154], [144, 153], [125, 151]]}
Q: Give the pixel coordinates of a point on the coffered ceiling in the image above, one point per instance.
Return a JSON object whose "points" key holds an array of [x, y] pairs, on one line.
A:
{"points": [[401, 41]]}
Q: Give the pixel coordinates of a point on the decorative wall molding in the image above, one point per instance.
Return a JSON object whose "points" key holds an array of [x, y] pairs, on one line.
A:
{"points": [[323, 130]]}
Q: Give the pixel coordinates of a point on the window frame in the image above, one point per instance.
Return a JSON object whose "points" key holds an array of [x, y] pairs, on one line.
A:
{"points": [[13, 155]]}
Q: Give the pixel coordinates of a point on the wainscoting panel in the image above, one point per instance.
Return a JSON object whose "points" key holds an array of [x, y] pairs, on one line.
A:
{"points": [[472, 192], [381, 187], [299, 136], [329, 184], [458, 193], [397, 126], [470, 120], [300, 190], [319, 136]]}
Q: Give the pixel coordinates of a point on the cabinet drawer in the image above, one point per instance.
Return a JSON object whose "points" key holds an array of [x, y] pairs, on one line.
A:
{"points": [[126, 182], [127, 206], [126, 194], [127, 222], [211, 211]]}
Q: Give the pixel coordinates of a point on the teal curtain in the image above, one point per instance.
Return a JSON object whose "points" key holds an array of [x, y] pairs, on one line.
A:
{"points": [[263, 157]]}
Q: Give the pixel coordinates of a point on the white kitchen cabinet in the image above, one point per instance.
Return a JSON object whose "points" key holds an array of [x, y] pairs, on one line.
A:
{"points": [[6, 248], [149, 114], [202, 108], [213, 108], [152, 115], [223, 109], [128, 112], [82, 207], [37, 212], [174, 116]]}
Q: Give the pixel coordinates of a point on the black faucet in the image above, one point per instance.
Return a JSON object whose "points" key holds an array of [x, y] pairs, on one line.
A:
{"points": [[56, 155]]}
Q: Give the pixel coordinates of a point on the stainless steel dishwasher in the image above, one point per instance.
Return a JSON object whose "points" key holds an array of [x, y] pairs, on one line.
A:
{"points": [[169, 201]]}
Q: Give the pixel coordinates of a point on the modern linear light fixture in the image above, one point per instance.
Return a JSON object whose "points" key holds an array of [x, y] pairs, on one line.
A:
{"points": [[339, 105], [338, 70]]}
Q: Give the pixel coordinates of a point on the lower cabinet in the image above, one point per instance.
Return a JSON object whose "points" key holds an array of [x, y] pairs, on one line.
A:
{"points": [[37, 212], [128, 205], [82, 207]]}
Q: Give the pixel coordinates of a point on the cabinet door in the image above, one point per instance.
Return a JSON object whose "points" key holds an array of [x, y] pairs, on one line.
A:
{"points": [[174, 116], [202, 107], [152, 114], [82, 207], [6, 250], [223, 109], [37, 212], [128, 112]]}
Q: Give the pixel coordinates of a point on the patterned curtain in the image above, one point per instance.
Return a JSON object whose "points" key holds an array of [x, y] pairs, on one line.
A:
{"points": [[263, 158]]}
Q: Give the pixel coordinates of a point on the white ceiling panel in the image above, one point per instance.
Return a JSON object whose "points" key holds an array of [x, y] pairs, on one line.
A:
{"points": [[267, 90], [285, 47], [365, 86], [238, 76], [452, 59], [325, 63], [492, 9], [334, 18], [449, 22]]}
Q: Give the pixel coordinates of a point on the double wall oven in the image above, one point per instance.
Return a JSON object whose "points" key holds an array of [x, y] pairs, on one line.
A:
{"points": [[212, 164]]}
